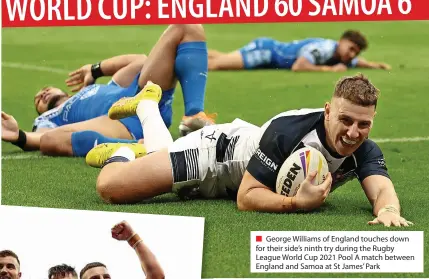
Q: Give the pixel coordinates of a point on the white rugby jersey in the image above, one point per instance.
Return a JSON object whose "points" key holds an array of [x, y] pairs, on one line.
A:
{"points": [[262, 151]]}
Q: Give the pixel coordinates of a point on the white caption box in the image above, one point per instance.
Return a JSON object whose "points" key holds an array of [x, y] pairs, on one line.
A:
{"points": [[337, 251]]}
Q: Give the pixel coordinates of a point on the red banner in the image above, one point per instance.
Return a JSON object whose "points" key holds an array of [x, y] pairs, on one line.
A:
{"points": [[19, 13]]}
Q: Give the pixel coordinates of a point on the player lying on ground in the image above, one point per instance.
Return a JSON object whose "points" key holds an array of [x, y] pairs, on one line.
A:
{"points": [[123, 231], [71, 125], [10, 266], [311, 54], [239, 161]]}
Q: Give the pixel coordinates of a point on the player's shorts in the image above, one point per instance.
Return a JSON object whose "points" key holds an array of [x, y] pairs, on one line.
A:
{"points": [[258, 53], [132, 123], [197, 166]]}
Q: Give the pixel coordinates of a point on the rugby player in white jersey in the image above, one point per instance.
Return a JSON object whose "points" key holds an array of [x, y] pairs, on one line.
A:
{"points": [[229, 160]]}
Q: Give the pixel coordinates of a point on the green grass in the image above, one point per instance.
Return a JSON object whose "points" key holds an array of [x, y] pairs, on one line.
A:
{"points": [[253, 96]]}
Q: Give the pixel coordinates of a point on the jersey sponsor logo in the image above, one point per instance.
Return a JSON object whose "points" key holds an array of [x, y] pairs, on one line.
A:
{"points": [[266, 161], [290, 178], [382, 162]]}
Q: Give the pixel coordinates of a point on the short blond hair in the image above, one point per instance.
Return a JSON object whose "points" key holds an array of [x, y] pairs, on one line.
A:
{"points": [[358, 90]]}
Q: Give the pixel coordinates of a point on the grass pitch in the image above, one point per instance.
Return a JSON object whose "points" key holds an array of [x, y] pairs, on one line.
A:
{"points": [[31, 180]]}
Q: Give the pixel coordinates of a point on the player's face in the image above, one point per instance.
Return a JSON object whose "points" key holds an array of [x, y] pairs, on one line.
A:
{"points": [[48, 98], [99, 272], [347, 125], [9, 268], [347, 50]]}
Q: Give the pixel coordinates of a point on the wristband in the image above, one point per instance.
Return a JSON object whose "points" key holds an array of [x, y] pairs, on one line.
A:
{"points": [[96, 70], [133, 240], [389, 208], [137, 243], [289, 204], [293, 203], [21, 141]]}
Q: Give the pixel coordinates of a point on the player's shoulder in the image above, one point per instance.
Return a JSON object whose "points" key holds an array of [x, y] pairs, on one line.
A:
{"points": [[294, 122], [368, 150], [324, 43]]}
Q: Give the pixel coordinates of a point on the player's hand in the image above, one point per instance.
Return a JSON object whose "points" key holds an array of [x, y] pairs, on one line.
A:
{"points": [[80, 78], [10, 129], [310, 196], [390, 219], [383, 66], [340, 67], [122, 231]]}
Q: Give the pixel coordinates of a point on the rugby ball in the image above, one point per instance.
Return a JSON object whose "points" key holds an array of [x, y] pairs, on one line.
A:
{"points": [[296, 168]]}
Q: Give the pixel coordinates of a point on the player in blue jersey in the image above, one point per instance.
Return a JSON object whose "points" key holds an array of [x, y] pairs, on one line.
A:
{"points": [[71, 125], [311, 54], [230, 160]]}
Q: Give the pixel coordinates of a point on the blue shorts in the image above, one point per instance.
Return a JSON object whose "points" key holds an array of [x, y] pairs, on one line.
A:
{"points": [[258, 53], [132, 123]]}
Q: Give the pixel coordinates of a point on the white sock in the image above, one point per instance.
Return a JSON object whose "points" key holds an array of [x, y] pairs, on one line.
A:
{"points": [[126, 152], [156, 134]]}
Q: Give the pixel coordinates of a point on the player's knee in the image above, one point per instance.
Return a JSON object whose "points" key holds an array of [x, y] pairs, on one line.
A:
{"points": [[191, 32], [104, 187], [108, 187]]}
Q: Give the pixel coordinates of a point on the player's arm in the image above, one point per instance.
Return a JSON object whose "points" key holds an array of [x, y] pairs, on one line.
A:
{"points": [[363, 63], [151, 267], [27, 141], [255, 196], [312, 59], [110, 66], [89, 73], [381, 194], [257, 188], [302, 64], [378, 187]]}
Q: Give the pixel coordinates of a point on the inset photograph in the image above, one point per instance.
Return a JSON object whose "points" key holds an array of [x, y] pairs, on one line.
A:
{"points": [[42, 243]]}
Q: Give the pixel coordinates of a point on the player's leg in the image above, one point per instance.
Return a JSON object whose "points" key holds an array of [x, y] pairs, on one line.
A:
{"points": [[212, 53], [256, 54], [129, 181], [146, 177], [78, 138], [181, 54], [226, 61]]}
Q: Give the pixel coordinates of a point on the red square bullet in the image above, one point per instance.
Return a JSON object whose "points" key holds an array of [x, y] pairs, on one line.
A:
{"points": [[258, 238]]}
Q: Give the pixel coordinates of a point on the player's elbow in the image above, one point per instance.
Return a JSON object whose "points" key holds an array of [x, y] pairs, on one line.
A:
{"points": [[243, 203]]}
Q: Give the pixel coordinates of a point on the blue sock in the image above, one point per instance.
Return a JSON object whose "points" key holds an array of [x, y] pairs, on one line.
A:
{"points": [[82, 142], [191, 69]]}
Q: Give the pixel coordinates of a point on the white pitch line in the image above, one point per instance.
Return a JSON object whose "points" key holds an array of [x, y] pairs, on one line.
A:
{"points": [[38, 156], [402, 140], [23, 157], [34, 68]]}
